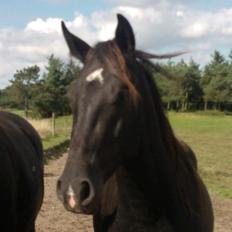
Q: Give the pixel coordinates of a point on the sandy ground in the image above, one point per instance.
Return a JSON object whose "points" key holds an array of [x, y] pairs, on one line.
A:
{"points": [[54, 218]]}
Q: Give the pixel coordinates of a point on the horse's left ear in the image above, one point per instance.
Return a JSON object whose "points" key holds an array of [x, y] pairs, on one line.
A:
{"points": [[124, 35], [78, 48]]}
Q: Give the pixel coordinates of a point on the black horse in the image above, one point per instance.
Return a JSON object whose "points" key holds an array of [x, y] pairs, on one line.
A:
{"points": [[21, 174], [125, 165]]}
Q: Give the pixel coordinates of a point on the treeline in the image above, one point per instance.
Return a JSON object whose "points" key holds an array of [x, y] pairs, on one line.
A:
{"points": [[185, 86], [41, 94]]}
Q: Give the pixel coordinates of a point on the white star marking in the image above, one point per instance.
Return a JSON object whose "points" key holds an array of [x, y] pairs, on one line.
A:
{"points": [[96, 75]]}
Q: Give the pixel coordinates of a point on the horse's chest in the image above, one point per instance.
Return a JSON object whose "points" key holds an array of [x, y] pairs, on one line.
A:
{"points": [[134, 214], [124, 225]]}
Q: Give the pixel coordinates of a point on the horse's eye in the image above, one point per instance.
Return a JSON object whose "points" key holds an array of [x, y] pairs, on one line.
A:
{"points": [[122, 95]]}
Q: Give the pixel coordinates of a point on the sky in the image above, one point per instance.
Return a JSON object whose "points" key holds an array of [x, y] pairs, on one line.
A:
{"points": [[30, 29]]}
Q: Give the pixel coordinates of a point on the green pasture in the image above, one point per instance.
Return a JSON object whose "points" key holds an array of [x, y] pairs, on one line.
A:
{"points": [[209, 135], [211, 139]]}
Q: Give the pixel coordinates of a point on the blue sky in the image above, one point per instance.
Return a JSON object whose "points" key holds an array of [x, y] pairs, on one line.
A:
{"points": [[18, 13], [213, 4], [30, 29]]}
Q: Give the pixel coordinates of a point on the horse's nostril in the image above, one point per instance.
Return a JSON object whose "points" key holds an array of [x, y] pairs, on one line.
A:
{"points": [[58, 185], [58, 190], [85, 190], [86, 193]]}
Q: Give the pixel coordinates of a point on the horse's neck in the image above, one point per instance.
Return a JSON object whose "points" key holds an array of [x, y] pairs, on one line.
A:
{"points": [[134, 211]]}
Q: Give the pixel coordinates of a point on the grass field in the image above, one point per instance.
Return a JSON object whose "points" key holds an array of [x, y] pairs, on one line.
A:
{"points": [[211, 139], [209, 135]]}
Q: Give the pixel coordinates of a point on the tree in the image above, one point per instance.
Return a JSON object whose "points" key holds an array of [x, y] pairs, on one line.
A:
{"points": [[191, 85], [23, 86], [55, 83], [71, 71], [230, 57], [214, 80], [182, 89]]}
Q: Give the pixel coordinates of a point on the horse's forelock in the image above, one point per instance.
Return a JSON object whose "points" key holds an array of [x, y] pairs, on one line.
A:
{"points": [[124, 72]]}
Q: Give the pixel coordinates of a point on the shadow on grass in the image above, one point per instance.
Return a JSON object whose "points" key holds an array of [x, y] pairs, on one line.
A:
{"points": [[56, 151]]}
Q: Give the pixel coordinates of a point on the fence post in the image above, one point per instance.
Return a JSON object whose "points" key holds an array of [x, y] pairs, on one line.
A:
{"points": [[65, 126], [53, 124]]}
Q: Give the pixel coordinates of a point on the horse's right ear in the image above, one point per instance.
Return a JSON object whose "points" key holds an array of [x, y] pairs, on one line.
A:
{"points": [[77, 47]]}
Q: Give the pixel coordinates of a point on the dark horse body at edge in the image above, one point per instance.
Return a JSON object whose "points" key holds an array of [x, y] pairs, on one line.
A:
{"points": [[125, 166], [21, 174]]}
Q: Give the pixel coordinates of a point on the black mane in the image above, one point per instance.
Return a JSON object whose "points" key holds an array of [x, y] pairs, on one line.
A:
{"points": [[173, 147]]}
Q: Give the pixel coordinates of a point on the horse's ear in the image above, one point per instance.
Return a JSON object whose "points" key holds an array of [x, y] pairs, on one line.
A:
{"points": [[124, 35], [78, 48]]}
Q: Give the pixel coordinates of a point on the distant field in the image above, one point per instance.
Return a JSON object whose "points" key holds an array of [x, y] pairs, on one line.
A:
{"points": [[44, 127], [211, 139], [209, 135], [62, 130]]}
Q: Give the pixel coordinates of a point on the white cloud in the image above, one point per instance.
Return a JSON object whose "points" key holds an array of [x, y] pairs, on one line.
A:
{"points": [[22, 48], [133, 12], [197, 29], [159, 27], [33, 44], [180, 13], [48, 26]]}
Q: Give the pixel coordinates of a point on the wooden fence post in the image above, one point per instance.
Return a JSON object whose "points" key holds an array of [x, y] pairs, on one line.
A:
{"points": [[53, 124]]}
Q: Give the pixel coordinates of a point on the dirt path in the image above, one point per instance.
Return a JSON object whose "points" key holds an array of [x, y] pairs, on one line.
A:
{"points": [[54, 218]]}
